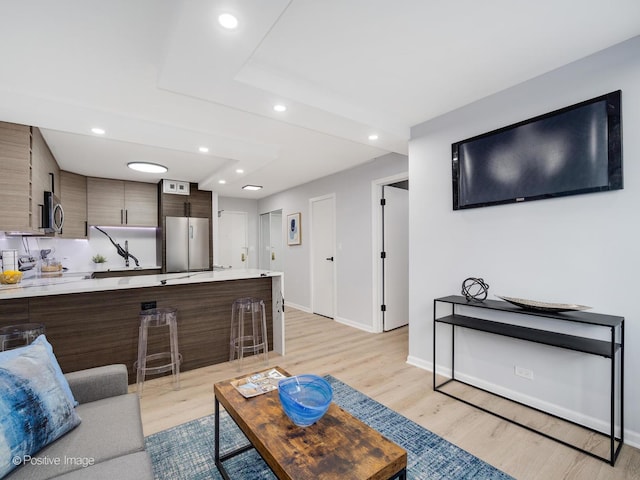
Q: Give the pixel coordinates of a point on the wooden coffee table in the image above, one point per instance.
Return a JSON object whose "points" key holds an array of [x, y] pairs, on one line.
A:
{"points": [[336, 446]]}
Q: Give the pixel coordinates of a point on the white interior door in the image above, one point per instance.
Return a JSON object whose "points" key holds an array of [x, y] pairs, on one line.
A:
{"points": [[323, 255], [396, 261], [233, 248]]}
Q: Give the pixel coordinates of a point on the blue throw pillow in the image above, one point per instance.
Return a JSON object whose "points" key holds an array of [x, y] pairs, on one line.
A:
{"points": [[34, 410], [42, 340], [56, 367]]}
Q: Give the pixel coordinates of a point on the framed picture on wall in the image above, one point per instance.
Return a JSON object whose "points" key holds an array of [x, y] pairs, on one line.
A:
{"points": [[294, 232]]}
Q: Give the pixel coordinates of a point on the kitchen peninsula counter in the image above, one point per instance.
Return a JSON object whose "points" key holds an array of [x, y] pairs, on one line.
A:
{"points": [[92, 322]]}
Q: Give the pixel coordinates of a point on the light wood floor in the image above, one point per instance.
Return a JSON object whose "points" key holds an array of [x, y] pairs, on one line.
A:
{"points": [[376, 365]]}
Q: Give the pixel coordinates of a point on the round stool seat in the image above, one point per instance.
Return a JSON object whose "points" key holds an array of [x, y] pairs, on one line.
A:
{"points": [[248, 329], [169, 360], [18, 335]]}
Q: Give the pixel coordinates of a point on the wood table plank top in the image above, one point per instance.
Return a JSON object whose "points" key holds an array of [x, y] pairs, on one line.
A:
{"points": [[336, 446]]}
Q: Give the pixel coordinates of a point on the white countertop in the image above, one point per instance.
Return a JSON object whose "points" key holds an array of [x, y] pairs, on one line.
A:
{"points": [[78, 283]]}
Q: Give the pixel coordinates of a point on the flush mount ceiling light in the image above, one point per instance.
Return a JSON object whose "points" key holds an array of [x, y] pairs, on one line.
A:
{"points": [[280, 108], [203, 150], [147, 167], [252, 187], [228, 21], [98, 130], [373, 136]]}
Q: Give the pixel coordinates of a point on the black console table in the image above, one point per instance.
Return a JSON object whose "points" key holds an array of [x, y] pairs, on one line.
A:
{"points": [[608, 349]]}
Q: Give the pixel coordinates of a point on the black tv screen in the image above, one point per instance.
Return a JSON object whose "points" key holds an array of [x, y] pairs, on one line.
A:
{"points": [[577, 149]]}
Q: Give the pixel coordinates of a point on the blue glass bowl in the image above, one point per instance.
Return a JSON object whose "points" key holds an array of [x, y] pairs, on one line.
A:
{"points": [[305, 398]]}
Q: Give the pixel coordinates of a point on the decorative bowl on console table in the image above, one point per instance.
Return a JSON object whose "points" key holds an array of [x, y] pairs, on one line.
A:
{"points": [[537, 306]]}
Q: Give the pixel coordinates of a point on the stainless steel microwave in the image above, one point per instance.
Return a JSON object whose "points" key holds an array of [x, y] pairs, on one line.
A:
{"points": [[53, 214]]}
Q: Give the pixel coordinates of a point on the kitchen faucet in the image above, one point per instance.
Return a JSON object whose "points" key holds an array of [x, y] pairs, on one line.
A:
{"points": [[123, 252]]}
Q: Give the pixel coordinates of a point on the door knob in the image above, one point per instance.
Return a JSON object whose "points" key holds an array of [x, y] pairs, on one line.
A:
{"points": [[242, 257], [273, 255], [330, 259]]}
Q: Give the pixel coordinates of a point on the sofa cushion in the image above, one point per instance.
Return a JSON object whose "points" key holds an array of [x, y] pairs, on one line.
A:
{"points": [[110, 428], [135, 466], [34, 410]]}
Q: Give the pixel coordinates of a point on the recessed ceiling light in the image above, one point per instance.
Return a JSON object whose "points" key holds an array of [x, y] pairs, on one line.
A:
{"points": [[239, 170], [98, 130], [252, 187], [203, 149], [373, 136], [228, 21], [280, 108], [147, 167], [222, 182]]}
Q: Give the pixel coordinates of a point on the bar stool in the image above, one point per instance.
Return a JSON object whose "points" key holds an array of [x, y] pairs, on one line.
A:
{"points": [[248, 329], [14, 336], [158, 317]]}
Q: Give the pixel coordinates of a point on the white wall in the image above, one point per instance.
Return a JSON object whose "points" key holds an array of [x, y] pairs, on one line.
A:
{"points": [[581, 249], [353, 236]]}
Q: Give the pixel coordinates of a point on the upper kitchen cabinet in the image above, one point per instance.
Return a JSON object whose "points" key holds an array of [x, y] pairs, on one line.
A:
{"points": [[28, 170], [196, 204], [45, 173], [15, 178], [121, 203], [73, 195]]}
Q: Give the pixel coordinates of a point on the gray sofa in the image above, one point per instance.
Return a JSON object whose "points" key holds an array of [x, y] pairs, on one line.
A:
{"points": [[107, 445]]}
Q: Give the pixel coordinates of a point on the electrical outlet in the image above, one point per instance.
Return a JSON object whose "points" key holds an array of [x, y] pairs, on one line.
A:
{"points": [[523, 372], [148, 305]]}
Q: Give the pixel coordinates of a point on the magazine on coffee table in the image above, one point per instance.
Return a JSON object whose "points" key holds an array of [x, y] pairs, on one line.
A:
{"points": [[258, 383]]}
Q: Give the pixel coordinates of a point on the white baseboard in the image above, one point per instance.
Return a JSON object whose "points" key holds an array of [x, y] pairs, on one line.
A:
{"points": [[297, 307], [350, 323], [420, 363], [631, 438]]}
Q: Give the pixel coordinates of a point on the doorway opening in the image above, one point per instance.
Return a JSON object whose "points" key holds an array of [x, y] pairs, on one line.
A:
{"points": [[390, 207], [270, 256], [233, 238]]}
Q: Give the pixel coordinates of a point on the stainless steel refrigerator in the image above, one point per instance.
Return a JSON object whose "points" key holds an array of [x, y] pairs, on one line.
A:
{"points": [[187, 243]]}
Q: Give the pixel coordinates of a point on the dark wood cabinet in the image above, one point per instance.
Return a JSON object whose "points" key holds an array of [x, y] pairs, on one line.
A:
{"points": [[119, 203], [99, 328], [196, 204], [28, 170], [73, 195]]}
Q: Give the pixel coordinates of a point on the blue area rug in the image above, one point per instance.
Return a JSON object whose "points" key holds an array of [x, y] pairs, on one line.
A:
{"points": [[186, 451]]}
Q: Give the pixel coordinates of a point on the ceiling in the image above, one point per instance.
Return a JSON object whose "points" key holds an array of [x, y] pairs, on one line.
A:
{"points": [[163, 78]]}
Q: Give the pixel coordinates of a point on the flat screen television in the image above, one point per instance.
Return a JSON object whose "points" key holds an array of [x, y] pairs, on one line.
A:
{"points": [[574, 150]]}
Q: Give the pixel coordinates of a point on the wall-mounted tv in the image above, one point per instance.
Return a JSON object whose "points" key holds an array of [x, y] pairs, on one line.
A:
{"points": [[577, 149]]}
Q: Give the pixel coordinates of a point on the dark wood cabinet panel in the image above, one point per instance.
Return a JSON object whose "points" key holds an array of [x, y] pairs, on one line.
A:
{"points": [[117, 202], [199, 204], [196, 204], [73, 195], [99, 328], [14, 311], [15, 181]]}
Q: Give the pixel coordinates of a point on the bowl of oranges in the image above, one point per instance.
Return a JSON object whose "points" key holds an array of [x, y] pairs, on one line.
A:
{"points": [[10, 277]]}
